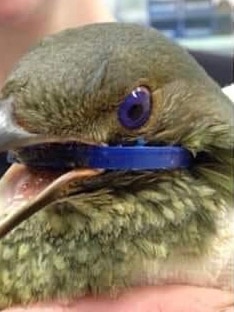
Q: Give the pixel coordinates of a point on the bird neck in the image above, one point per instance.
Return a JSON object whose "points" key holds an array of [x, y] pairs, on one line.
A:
{"points": [[107, 235], [170, 209]]}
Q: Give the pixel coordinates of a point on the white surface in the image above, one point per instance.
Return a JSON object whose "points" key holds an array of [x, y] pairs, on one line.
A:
{"points": [[229, 91], [217, 44]]}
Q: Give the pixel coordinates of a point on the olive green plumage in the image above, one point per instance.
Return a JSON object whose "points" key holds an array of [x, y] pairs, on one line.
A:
{"points": [[96, 238]]}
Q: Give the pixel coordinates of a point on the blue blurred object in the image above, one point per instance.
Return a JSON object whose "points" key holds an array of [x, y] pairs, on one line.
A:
{"points": [[138, 157], [181, 18]]}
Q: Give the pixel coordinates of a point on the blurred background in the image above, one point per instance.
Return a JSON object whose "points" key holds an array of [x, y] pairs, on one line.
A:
{"points": [[204, 25]]}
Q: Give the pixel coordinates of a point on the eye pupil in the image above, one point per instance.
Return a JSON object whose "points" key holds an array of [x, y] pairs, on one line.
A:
{"points": [[135, 112]]}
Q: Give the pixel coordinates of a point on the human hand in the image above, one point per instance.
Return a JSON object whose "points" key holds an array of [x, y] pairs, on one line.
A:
{"points": [[153, 299]]}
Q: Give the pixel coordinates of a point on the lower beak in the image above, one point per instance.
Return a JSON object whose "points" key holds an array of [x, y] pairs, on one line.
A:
{"points": [[24, 191]]}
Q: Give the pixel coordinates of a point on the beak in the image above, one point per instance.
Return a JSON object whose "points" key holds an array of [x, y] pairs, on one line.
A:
{"points": [[24, 191], [11, 135], [17, 206]]}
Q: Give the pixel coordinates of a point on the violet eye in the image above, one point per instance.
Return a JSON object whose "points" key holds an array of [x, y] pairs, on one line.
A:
{"points": [[135, 109]]}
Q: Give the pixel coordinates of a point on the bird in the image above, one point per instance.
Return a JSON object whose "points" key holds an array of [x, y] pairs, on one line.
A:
{"points": [[72, 229]]}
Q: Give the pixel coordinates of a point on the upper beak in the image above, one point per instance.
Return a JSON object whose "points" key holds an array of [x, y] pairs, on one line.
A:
{"points": [[11, 135]]}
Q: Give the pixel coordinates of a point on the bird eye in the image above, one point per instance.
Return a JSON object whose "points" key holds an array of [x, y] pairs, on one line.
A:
{"points": [[135, 109]]}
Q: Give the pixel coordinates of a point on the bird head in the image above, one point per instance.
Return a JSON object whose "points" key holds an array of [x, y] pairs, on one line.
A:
{"points": [[107, 85]]}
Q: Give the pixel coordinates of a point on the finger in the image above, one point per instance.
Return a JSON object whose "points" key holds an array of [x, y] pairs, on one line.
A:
{"points": [[150, 299], [195, 299]]}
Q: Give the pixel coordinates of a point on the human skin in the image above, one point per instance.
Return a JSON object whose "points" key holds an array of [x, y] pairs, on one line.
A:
{"points": [[16, 11], [24, 22], [156, 299]]}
